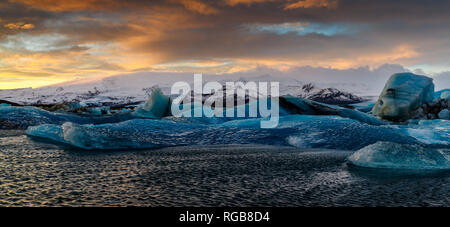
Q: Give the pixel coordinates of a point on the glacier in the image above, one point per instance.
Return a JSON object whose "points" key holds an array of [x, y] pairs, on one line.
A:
{"points": [[388, 155], [295, 130]]}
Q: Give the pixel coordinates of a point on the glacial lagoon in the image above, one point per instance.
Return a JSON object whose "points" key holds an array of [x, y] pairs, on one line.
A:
{"points": [[38, 173]]}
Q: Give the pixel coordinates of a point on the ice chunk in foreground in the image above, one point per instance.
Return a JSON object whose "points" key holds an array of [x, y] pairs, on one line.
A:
{"points": [[401, 156], [148, 133], [402, 94], [297, 130]]}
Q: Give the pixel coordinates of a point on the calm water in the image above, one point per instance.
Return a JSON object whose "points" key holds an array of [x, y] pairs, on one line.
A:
{"points": [[35, 173]]}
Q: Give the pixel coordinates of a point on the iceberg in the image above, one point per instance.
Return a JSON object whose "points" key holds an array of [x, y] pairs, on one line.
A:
{"points": [[445, 95], [402, 94], [444, 114], [428, 131], [365, 106], [401, 156], [149, 133], [295, 105], [12, 117], [296, 130], [157, 106], [442, 94]]}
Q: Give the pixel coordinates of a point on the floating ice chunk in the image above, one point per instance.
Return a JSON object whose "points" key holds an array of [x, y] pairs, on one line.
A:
{"points": [[147, 133], [445, 95], [444, 114], [402, 94], [440, 94], [197, 113], [49, 131], [22, 117], [401, 156], [98, 111], [295, 105], [296, 130], [428, 131], [157, 106], [338, 133], [365, 107]]}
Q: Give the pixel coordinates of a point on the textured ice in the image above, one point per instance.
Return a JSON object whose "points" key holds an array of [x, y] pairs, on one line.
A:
{"points": [[296, 130], [428, 131], [444, 114], [12, 117], [157, 106], [403, 93], [440, 94], [365, 107], [295, 105], [445, 95], [401, 156], [148, 133]]}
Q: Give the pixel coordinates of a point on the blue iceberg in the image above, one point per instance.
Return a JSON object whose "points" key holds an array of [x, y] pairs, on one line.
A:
{"points": [[295, 130], [12, 117], [401, 156], [428, 131], [442, 94], [157, 106], [403, 94], [365, 106], [295, 105]]}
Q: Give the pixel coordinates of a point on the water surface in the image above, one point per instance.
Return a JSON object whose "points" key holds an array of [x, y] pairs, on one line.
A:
{"points": [[38, 173]]}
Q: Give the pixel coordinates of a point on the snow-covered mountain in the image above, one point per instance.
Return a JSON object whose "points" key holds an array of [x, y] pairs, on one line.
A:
{"points": [[329, 95], [135, 88]]}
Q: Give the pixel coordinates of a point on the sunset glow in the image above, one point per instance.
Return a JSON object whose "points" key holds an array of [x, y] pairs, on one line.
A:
{"points": [[44, 42]]}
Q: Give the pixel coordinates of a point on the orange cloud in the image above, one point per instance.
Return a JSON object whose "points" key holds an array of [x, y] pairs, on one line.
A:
{"points": [[19, 25], [69, 5], [118, 36], [93, 5], [198, 6], [331, 4], [246, 2]]}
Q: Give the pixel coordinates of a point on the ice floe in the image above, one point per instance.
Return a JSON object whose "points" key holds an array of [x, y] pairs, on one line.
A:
{"points": [[401, 156], [313, 131]]}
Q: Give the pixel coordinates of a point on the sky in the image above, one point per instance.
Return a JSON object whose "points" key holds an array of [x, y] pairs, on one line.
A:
{"points": [[44, 42]]}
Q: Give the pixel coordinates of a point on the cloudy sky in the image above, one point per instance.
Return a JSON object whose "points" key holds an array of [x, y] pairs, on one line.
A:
{"points": [[49, 41]]}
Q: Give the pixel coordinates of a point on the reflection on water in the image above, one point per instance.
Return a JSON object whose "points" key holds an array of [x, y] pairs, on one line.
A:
{"points": [[33, 173]]}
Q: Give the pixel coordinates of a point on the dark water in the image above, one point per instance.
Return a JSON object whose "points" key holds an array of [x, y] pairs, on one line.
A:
{"points": [[35, 173]]}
